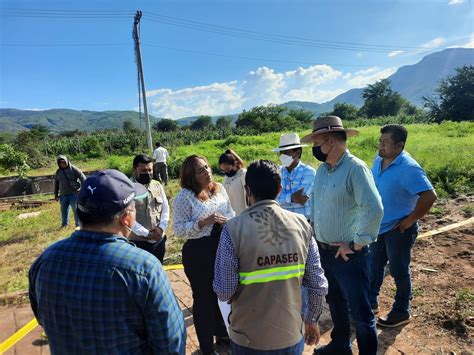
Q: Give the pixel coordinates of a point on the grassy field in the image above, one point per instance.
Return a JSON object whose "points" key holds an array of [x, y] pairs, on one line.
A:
{"points": [[446, 152]]}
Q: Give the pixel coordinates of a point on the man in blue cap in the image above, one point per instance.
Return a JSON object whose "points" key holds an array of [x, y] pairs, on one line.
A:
{"points": [[95, 292]]}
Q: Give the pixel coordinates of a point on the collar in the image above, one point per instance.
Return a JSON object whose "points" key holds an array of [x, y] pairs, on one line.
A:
{"points": [[263, 202], [104, 237], [339, 162]]}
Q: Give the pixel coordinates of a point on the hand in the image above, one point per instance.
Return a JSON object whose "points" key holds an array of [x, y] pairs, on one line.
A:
{"points": [[343, 250], [299, 197], [212, 219], [311, 334], [404, 224], [156, 234]]}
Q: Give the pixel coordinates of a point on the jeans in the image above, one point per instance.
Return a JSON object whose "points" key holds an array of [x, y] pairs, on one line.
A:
{"points": [[292, 350], [65, 201], [348, 293], [394, 247]]}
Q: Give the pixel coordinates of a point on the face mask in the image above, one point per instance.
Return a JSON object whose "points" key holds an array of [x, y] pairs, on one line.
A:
{"points": [[144, 178], [318, 154], [286, 160], [230, 173]]}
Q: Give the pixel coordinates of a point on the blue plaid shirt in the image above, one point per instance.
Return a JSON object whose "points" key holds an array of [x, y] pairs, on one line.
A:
{"points": [[98, 294], [226, 276], [301, 177]]}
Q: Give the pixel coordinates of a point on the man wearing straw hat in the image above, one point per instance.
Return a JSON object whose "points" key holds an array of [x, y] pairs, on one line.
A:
{"points": [[346, 212], [297, 178]]}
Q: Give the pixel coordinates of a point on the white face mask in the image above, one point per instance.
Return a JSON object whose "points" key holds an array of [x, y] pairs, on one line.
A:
{"points": [[286, 160]]}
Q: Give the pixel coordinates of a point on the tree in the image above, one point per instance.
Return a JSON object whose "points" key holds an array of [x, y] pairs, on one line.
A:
{"points": [[128, 125], [381, 100], [266, 119], [224, 122], [302, 116], [12, 160], [454, 97], [166, 125], [201, 123], [345, 111]]}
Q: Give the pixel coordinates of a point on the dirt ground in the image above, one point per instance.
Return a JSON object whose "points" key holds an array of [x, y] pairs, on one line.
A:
{"points": [[442, 307]]}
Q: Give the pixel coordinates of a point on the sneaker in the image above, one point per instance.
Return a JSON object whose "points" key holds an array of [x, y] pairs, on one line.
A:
{"points": [[331, 350], [393, 320]]}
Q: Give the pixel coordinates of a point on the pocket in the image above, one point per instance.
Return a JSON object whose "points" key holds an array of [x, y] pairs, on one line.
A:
{"points": [[239, 338]]}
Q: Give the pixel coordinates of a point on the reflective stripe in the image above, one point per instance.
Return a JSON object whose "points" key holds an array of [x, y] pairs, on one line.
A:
{"points": [[273, 274]]}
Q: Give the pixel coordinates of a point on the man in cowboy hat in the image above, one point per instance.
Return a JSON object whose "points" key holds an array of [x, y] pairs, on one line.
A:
{"points": [[346, 212], [297, 178]]}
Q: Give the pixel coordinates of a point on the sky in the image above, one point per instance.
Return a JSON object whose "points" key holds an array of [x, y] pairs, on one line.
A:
{"points": [[203, 57]]}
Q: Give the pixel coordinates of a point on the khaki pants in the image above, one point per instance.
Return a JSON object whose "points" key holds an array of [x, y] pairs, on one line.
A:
{"points": [[160, 172]]}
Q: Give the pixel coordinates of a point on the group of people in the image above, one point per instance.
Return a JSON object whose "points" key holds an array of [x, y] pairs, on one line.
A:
{"points": [[262, 251]]}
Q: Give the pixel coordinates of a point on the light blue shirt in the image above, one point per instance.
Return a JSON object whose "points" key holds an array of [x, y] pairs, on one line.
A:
{"points": [[399, 185], [301, 177], [346, 204]]}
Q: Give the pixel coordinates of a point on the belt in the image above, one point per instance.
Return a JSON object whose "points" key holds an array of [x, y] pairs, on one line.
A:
{"points": [[326, 246]]}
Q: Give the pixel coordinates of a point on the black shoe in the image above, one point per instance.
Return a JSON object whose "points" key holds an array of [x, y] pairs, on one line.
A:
{"points": [[393, 320], [222, 340], [331, 350], [375, 308]]}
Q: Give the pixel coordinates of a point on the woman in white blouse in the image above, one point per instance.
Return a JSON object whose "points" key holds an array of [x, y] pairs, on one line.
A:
{"points": [[200, 209], [233, 168]]}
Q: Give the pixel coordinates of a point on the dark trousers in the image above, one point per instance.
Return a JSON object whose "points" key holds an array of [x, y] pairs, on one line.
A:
{"points": [[160, 172], [348, 293], [394, 247], [199, 256], [157, 249]]}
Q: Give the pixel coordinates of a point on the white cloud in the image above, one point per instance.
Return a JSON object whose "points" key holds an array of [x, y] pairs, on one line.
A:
{"points": [[395, 53], [369, 76], [262, 86], [434, 43], [456, 2]]}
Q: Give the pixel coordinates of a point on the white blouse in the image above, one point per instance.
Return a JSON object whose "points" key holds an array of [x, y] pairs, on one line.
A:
{"points": [[234, 186], [189, 210]]}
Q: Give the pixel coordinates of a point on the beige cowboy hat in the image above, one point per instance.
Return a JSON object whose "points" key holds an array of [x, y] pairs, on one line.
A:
{"points": [[328, 124], [289, 141]]}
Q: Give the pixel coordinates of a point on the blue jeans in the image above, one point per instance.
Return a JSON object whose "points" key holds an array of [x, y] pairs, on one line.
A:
{"points": [[348, 293], [292, 350], [394, 247], [66, 201]]}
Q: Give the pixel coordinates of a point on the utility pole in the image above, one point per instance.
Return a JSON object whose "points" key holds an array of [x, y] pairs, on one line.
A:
{"points": [[138, 55]]}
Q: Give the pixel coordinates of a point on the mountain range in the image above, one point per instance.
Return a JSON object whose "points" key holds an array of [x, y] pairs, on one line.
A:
{"points": [[411, 81]]}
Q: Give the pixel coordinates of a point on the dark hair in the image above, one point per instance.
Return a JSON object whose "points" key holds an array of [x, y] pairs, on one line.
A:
{"points": [[157, 144], [97, 220], [230, 157], [263, 179], [338, 135], [141, 159], [187, 177], [396, 131]]}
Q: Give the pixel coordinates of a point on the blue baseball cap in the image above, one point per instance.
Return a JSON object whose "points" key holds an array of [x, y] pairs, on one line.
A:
{"points": [[107, 192]]}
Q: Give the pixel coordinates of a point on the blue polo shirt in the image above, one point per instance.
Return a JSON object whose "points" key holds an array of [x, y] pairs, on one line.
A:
{"points": [[399, 185]]}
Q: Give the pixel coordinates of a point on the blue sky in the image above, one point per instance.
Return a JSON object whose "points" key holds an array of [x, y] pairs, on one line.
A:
{"points": [[214, 57]]}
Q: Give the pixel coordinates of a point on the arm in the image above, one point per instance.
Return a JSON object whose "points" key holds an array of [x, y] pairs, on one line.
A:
{"points": [[31, 287], [423, 205], [369, 203], [284, 198], [226, 269], [139, 230], [165, 211], [184, 223], [164, 323], [317, 286], [316, 283]]}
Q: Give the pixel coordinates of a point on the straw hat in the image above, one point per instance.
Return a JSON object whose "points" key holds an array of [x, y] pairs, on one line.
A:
{"points": [[328, 124], [289, 141]]}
